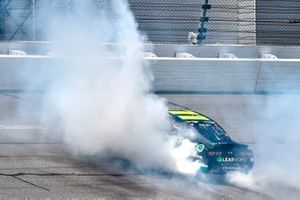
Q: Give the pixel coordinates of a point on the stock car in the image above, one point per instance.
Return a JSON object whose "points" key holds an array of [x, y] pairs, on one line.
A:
{"points": [[214, 148]]}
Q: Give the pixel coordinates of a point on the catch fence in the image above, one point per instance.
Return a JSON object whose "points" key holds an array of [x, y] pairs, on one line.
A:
{"points": [[251, 22]]}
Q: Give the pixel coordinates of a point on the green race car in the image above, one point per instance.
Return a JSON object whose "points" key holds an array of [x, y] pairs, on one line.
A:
{"points": [[215, 149]]}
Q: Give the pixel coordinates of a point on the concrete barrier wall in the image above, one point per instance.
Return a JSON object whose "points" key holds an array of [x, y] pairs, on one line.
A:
{"points": [[279, 76], [204, 75], [17, 71], [213, 51], [175, 74], [170, 50], [204, 72], [221, 75]]}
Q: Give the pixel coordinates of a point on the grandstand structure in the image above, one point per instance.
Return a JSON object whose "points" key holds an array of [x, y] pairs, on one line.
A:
{"points": [[249, 22]]}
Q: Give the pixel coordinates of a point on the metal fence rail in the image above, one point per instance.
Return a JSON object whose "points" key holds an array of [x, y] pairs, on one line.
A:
{"points": [[167, 21], [267, 22], [278, 22]]}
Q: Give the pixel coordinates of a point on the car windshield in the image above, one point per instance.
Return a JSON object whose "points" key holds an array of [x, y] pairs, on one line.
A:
{"points": [[212, 132]]}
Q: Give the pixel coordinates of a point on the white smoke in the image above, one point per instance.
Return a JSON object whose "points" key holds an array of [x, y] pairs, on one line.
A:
{"points": [[102, 94], [97, 89], [242, 180], [181, 155], [276, 148], [280, 146]]}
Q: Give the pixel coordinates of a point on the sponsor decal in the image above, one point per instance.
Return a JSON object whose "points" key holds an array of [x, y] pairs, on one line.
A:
{"points": [[230, 159], [214, 153], [227, 159]]}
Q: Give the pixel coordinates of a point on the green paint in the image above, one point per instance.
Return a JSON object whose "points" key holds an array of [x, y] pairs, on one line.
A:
{"points": [[200, 148], [219, 159], [204, 168]]}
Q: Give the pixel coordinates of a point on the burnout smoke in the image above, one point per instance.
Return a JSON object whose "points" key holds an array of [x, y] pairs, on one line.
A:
{"points": [[242, 180], [97, 89], [181, 155], [276, 148], [100, 91], [280, 145]]}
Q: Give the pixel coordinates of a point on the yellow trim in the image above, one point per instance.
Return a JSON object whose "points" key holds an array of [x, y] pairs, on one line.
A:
{"points": [[182, 112], [192, 117], [187, 115]]}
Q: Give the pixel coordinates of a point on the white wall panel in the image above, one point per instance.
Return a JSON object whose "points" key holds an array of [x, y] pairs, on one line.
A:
{"points": [[204, 73]]}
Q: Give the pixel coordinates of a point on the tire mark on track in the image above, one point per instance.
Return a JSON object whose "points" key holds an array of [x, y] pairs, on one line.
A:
{"points": [[30, 183]]}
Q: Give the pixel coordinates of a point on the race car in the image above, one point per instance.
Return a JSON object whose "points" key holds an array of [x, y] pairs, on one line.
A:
{"points": [[217, 152]]}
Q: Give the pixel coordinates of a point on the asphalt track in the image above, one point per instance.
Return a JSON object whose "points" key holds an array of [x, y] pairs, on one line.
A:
{"points": [[35, 166]]}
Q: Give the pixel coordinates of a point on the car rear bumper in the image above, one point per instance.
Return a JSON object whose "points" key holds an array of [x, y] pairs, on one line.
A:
{"points": [[223, 168]]}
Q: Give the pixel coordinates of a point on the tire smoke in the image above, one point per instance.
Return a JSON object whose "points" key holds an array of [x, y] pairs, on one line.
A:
{"points": [[97, 92], [276, 147], [100, 92]]}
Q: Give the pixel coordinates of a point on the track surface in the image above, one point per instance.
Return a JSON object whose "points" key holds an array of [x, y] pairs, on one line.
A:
{"points": [[34, 166]]}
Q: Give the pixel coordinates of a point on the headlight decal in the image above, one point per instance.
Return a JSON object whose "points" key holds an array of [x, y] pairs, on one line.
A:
{"points": [[200, 148]]}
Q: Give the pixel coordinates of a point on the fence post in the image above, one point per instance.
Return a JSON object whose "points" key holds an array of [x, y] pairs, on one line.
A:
{"points": [[202, 30], [2, 19], [33, 19]]}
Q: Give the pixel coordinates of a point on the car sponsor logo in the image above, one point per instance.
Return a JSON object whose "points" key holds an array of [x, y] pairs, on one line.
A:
{"points": [[214, 153], [230, 159]]}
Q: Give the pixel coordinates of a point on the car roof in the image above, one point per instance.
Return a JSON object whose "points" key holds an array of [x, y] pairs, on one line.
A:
{"points": [[188, 115]]}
